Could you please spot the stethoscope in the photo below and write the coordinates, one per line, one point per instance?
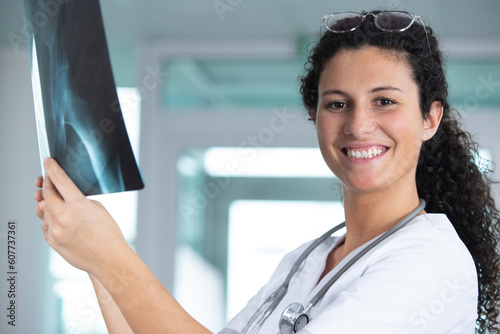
(296, 316)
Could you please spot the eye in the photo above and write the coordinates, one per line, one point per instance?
(337, 105)
(384, 102)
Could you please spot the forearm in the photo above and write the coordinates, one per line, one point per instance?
(145, 304)
(113, 317)
(85, 235)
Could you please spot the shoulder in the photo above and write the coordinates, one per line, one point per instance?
(428, 263)
(420, 279)
(429, 248)
(430, 238)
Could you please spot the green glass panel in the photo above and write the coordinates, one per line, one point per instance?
(238, 84)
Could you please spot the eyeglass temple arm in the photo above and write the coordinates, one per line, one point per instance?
(417, 17)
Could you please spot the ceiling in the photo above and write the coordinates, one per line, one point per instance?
(130, 21)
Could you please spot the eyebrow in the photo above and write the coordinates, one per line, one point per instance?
(334, 91)
(374, 90)
(379, 89)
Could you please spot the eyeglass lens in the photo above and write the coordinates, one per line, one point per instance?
(342, 22)
(393, 20)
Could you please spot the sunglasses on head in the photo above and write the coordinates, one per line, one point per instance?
(390, 21)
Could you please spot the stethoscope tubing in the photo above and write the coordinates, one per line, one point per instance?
(253, 326)
(275, 298)
(321, 293)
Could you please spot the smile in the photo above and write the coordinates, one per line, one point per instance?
(366, 153)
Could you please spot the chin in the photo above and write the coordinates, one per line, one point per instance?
(365, 185)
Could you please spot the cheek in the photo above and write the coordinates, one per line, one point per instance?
(326, 129)
(405, 130)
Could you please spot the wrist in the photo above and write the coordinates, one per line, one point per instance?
(117, 269)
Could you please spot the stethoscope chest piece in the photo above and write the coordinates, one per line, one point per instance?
(293, 319)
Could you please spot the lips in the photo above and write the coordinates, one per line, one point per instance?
(365, 152)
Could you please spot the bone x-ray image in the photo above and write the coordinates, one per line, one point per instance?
(79, 120)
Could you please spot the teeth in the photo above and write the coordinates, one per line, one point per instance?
(371, 153)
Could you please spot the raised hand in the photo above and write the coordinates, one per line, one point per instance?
(79, 229)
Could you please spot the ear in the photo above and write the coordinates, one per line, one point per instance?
(431, 123)
(312, 115)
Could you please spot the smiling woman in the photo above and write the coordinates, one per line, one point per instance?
(376, 90)
(413, 121)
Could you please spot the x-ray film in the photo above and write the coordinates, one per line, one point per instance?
(79, 119)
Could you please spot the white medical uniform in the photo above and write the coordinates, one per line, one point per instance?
(422, 279)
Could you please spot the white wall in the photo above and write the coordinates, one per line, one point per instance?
(164, 135)
(20, 164)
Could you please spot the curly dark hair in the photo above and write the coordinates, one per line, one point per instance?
(447, 177)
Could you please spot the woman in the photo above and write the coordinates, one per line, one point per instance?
(376, 92)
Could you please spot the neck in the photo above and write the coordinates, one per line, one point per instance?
(368, 215)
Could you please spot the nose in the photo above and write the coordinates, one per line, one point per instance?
(360, 122)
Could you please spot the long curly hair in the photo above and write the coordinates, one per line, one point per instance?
(447, 176)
